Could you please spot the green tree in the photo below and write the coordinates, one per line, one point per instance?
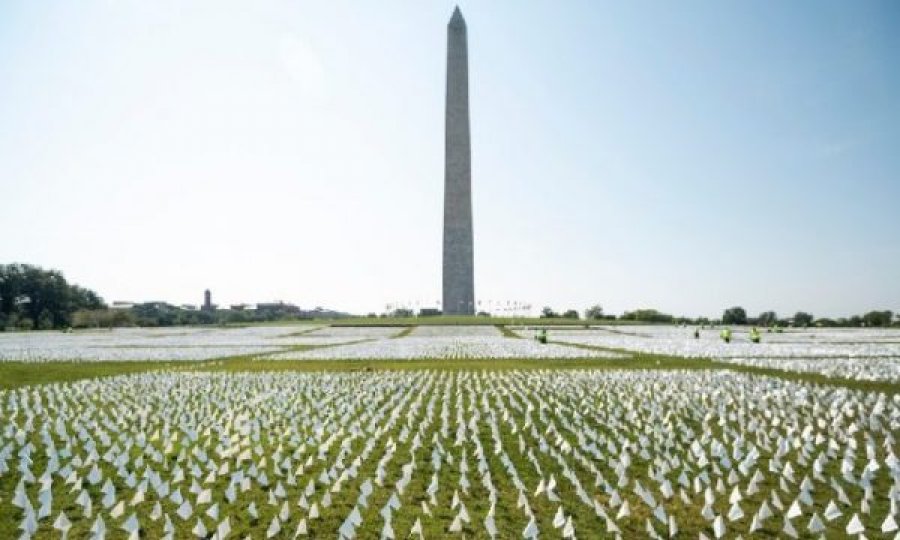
(45, 320)
(155, 314)
(594, 312)
(237, 316)
(570, 314)
(734, 315)
(548, 313)
(647, 315)
(44, 297)
(801, 318)
(878, 318)
(767, 318)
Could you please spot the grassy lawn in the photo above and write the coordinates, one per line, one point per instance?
(433, 386)
(455, 389)
(15, 374)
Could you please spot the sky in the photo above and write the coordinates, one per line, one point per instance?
(683, 156)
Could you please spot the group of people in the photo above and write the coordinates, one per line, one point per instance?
(725, 334)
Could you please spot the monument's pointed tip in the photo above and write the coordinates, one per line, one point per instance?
(457, 18)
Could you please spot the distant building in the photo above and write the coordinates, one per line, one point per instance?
(120, 304)
(207, 301)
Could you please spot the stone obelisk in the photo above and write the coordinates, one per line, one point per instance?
(459, 279)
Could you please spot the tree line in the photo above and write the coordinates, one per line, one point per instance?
(733, 315)
(163, 314)
(34, 298)
(874, 318)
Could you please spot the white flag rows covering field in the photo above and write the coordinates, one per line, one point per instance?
(515, 454)
(163, 344)
(862, 354)
(175, 343)
(447, 348)
(442, 342)
(791, 342)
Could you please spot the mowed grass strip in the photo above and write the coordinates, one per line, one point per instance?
(16, 374)
(507, 332)
(405, 332)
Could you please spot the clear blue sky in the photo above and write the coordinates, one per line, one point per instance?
(686, 156)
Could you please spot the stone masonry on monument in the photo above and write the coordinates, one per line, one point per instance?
(458, 270)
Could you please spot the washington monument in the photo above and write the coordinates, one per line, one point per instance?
(459, 280)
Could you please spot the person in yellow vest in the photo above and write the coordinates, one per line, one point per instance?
(726, 335)
(754, 335)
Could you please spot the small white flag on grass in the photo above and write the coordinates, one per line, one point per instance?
(131, 524)
(788, 528)
(417, 529)
(719, 527)
(185, 511)
(199, 529)
(855, 526)
(531, 530)
(301, 528)
(223, 529)
(457, 525)
(274, 528)
(490, 526)
(795, 510)
(735, 512)
(832, 512)
(559, 519)
(387, 531)
(62, 524)
(815, 524)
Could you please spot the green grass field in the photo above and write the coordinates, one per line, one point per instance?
(567, 398)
